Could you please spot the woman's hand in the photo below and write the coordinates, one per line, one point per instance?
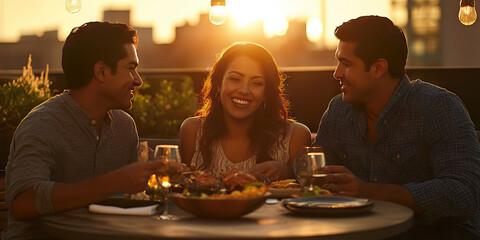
(272, 170)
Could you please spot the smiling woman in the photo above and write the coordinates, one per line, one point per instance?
(243, 88)
(244, 121)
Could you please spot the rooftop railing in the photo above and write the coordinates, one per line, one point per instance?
(310, 88)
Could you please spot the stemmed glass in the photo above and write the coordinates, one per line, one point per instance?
(168, 173)
(309, 163)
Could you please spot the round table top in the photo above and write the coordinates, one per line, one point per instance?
(271, 221)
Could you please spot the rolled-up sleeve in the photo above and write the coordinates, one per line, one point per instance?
(455, 157)
(31, 163)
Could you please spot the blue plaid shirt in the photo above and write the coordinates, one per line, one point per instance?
(426, 141)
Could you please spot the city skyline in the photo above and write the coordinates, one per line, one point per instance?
(292, 49)
(434, 34)
(33, 17)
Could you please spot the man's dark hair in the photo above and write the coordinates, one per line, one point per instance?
(376, 37)
(93, 42)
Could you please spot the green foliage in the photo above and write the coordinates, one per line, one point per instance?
(161, 113)
(157, 113)
(19, 96)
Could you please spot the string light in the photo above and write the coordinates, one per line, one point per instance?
(467, 14)
(218, 12)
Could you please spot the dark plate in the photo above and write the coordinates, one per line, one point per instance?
(328, 205)
(127, 203)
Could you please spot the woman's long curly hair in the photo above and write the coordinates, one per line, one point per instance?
(269, 122)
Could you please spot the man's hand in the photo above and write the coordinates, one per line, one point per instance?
(132, 178)
(342, 182)
(273, 170)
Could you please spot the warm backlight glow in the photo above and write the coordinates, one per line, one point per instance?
(245, 12)
(27, 17)
(152, 182)
(166, 182)
(314, 29)
(270, 12)
(275, 27)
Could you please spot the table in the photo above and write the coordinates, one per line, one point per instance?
(271, 221)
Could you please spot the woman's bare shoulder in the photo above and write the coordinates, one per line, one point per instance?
(301, 133)
(188, 136)
(191, 124)
(300, 127)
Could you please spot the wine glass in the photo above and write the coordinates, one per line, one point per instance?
(168, 173)
(309, 163)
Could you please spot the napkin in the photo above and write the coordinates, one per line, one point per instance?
(141, 211)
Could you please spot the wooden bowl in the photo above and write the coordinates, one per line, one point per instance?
(218, 208)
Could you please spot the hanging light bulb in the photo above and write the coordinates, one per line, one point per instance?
(73, 6)
(218, 12)
(467, 14)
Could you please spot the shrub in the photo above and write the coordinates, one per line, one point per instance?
(19, 96)
(160, 114)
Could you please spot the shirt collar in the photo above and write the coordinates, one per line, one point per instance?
(396, 97)
(81, 115)
(393, 102)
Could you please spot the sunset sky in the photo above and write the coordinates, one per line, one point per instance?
(27, 17)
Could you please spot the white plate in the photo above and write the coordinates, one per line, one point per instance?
(283, 192)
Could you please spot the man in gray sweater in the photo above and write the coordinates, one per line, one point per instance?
(79, 147)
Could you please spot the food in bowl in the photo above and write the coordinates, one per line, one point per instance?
(201, 182)
(206, 179)
(238, 179)
(223, 204)
(256, 189)
(235, 179)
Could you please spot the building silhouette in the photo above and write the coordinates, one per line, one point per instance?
(194, 46)
(435, 36)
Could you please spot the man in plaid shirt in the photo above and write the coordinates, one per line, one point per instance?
(389, 138)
